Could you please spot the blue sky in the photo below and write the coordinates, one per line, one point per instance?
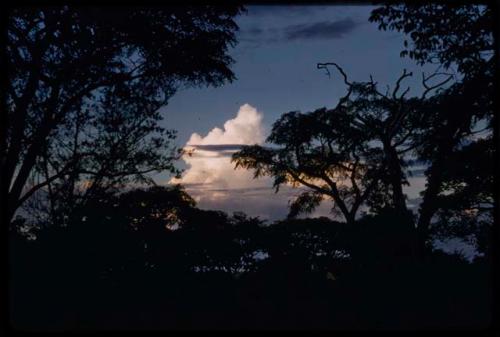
(275, 67)
(277, 75)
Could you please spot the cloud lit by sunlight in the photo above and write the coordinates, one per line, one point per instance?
(212, 167)
(214, 183)
(245, 128)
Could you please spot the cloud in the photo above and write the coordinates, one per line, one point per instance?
(213, 150)
(214, 183)
(206, 164)
(321, 30)
(245, 128)
(218, 147)
(210, 176)
(254, 31)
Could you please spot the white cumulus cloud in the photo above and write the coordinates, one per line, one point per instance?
(245, 128)
(213, 169)
(214, 183)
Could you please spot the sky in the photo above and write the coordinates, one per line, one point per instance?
(275, 67)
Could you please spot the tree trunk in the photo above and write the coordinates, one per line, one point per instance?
(10, 210)
(396, 177)
(350, 218)
(428, 206)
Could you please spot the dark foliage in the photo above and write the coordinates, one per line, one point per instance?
(449, 34)
(454, 36)
(360, 152)
(107, 271)
(356, 154)
(84, 89)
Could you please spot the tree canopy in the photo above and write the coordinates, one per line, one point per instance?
(450, 35)
(85, 85)
(446, 34)
(356, 153)
(317, 155)
(361, 151)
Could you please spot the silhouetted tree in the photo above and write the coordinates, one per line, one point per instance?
(355, 153)
(454, 121)
(316, 155)
(465, 203)
(109, 274)
(393, 121)
(118, 144)
(164, 207)
(73, 69)
(452, 35)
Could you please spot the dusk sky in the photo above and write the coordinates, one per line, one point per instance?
(275, 68)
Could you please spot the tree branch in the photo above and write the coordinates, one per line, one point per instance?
(35, 188)
(398, 83)
(325, 66)
(429, 88)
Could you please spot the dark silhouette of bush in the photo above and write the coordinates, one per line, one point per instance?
(312, 273)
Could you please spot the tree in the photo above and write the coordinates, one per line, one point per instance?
(156, 209)
(317, 156)
(355, 153)
(119, 142)
(458, 35)
(73, 69)
(392, 120)
(455, 118)
(451, 35)
(465, 204)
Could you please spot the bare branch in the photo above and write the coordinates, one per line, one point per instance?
(398, 83)
(429, 88)
(36, 187)
(325, 66)
(373, 85)
(411, 147)
(404, 93)
(371, 81)
(305, 183)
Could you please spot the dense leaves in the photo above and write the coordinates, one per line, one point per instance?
(104, 271)
(361, 151)
(449, 34)
(355, 154)
(85, 85)
(461, 36)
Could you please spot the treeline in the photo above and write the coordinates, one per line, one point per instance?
(120, 265)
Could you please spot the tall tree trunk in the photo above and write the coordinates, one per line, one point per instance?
(429, 205)
(11, 209)
(350, 218)
(396, 177)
